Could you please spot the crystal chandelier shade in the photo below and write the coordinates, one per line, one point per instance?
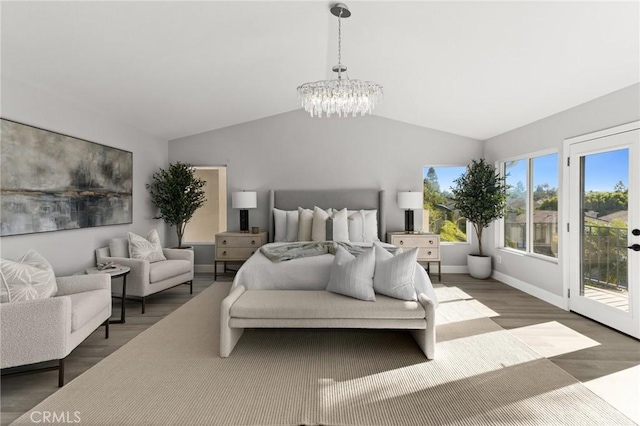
(340, 96)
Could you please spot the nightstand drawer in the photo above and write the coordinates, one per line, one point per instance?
(428, 253)
(415, 241)
(231, 253)
(249, 241)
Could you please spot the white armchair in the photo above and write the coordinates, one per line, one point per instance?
(49, 329)
(147, 278)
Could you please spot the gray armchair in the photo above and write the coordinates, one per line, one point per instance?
(49, 329)
(147, 278)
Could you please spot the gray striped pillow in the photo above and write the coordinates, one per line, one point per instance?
(394, 275)
(353, 276)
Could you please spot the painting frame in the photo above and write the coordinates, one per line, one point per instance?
(50, 181)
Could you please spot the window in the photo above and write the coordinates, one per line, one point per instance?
(439, 217)
(531, 217)
(211, 218)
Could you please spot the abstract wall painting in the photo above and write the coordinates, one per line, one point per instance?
(53, 182)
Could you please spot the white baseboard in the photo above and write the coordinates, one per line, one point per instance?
(541, 294)
(452, 269)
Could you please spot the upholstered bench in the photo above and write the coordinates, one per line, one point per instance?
(321, 309)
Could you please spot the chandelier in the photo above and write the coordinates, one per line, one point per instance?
(339, 96)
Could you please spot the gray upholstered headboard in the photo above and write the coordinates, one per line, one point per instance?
(352, 199)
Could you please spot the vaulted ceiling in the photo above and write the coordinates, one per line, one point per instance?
(179, 68)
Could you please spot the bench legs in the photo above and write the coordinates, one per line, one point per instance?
(426, 338)
(229, 336)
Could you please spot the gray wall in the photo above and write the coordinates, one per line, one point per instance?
(73, 250)
(616, 108)
(295, 151)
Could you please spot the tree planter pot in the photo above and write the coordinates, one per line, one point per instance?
(479, 266)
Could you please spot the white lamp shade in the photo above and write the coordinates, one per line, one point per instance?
(244, 200)
(410, 200)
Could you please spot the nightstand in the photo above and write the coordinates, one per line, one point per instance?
(428, 247)
(236, 247)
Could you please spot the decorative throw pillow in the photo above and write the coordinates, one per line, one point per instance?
(119, 247)
(340, 225)
(280, 223)
(363, 226)
(353, 276)
(148, 248)
(305, 221)
(292, 226)
(29, 278)
(319, 224)
(394, 275)
(286, 224)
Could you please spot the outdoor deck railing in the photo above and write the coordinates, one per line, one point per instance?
(604, 251)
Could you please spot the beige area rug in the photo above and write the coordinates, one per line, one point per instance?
(171, 374)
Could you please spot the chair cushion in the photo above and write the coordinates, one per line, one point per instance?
(86, 306)
(160, 271)
(29, 278)
(307, 304)
(119, 247)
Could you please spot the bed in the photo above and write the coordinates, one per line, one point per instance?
(293, 294)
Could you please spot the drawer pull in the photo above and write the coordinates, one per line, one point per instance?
(401, 242)
(224, 241)
(224, 253)
(430, 241)
(429, 253)
(253, 242)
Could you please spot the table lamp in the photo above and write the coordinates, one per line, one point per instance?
(244, 200)
(409, 201)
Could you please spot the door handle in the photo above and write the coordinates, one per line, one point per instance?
(634, 247)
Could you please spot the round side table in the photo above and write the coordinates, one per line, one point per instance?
(121, 271)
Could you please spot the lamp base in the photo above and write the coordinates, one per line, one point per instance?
(244, 221)
(408, 222)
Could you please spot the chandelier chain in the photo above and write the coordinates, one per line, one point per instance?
(340, 45)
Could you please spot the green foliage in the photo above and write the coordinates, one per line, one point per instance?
(480, 195)
(178, 193)
(550, 203)
(450, 232)
(606, 202)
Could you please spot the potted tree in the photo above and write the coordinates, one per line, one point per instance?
(480, 195)
(178, 193)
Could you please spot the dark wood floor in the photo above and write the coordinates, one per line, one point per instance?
(516, 309)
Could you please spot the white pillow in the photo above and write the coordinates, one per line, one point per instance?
(340, 225)
(363, 226)
(319, 224)
(29, 278)
(280, 223)
(292, 226)
(394, 275)
(353, 276)
(286, 224)
(305, 222)
(148, 248)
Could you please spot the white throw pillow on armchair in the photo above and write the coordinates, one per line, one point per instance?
(148, 248)
(30, 278)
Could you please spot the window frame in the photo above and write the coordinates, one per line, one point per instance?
(470, 235)
(499, 232)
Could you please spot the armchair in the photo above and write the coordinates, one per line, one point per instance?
(147, 278)
(49, 329)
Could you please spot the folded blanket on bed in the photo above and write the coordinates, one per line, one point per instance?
(308, 249)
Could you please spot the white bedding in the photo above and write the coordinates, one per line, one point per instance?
(309, 273)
